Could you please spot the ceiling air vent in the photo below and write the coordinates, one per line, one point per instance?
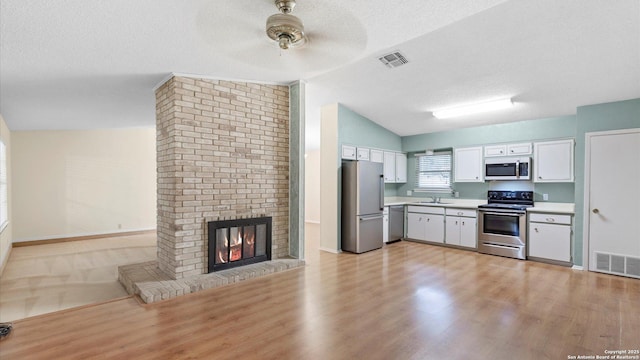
(393, 60)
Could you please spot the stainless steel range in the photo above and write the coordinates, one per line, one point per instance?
(502, 223)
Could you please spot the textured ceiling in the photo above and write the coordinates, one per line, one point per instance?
(79, 64)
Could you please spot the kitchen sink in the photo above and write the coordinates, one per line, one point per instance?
(433, 202)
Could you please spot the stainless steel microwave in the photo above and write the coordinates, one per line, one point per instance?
(507, 168)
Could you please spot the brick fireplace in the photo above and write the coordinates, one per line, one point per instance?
(222, 154)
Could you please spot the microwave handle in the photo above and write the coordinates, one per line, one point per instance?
(517, 168)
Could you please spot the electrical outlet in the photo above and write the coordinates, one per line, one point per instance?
(545, 197)
(456, 194)
(408, 192)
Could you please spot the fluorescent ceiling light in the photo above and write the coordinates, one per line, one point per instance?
(473, 108)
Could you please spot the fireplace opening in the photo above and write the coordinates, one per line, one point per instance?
(234, 243)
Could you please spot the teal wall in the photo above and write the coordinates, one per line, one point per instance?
(355, 129)
(530, 130)
(591, 118)
(542, 129)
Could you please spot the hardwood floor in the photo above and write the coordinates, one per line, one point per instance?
(406, 301)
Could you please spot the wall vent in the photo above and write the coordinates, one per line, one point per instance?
(618, 264)
(393, 60)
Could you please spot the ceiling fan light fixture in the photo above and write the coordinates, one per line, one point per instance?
(285, 29)
(284, 41)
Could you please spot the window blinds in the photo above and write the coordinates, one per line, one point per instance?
(433, 171)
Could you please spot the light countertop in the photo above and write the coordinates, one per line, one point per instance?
(549, 207)
(539, 207)
(447, 202)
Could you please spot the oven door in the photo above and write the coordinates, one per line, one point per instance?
(507, 228)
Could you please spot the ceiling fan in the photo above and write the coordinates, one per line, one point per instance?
(286, 29)
(236, 29)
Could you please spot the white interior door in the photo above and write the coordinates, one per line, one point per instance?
(612, 201)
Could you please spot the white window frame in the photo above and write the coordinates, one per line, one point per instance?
(445, 187)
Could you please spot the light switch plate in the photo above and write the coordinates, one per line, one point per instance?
(408, 192)
(545, 197)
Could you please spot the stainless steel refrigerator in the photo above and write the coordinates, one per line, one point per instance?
(362, 205)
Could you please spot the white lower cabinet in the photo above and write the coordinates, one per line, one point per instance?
(550, 236)
(461, 227)
(415, 226)
(425, 223)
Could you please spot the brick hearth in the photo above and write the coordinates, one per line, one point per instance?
(152, 284)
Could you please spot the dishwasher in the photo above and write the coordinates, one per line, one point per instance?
(396, 223)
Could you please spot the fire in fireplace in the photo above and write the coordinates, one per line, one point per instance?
(238, 242)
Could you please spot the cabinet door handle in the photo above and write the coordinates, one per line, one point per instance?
(550, 219)
(463, 223)
(536, 229)
(595, 211)
(428, 219)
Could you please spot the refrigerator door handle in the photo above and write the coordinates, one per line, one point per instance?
(382, 192)
(367, 218)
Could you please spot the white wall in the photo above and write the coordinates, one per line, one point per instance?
(329, 170)
(312, 186)
(74, 183)
(6, 235)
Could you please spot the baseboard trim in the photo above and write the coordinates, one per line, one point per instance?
(577, 267)
(78, 238)
(312, 221)
(5, 260)
(333, 251)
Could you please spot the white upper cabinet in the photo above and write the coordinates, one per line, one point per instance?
(349, 152)
(508, 150)
(553, 161)
(401, 168)
(389, 167)
(363, 154)
(519, 149)
(468, 164)
(376, 155)
(495, 150)
(395, 167)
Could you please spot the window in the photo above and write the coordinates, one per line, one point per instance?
(433, 171)
(4, 216)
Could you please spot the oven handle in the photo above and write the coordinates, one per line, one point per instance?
(502, 213)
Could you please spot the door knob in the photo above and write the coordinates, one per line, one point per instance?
(595, 211)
